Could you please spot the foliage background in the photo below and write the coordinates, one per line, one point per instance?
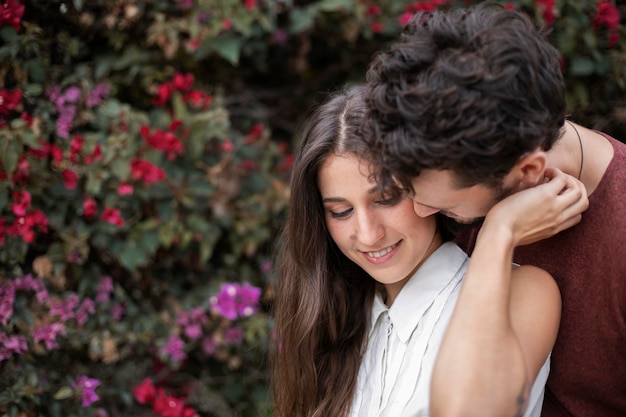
(144, 159)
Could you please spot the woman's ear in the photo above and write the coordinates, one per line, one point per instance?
(529, 170)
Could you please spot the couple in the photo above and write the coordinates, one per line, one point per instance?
(379, 312)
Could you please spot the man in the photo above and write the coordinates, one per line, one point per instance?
(468, 108)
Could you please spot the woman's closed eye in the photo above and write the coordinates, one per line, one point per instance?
(340, 214)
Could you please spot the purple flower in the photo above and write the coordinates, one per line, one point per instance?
(86, 307)
(65, 121)
(64, 308)
(72, 94)
(117, 311)
(105, 288)
(235, 300)
(12, 344)
(28, 283)
(209, 346)
(47, 334)
(87, 388)
(7, 298)
(234, 335)
(99, 93)
(192, 322)
(175, 348)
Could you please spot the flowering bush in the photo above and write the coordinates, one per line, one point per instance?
(144, 155)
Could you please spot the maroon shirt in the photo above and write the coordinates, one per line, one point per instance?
(588, 368)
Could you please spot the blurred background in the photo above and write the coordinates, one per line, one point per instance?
(145, 149)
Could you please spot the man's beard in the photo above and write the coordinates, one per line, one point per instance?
(451, 227)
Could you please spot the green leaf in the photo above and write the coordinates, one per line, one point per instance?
(228, 48)
(582, 66)
(8, 34)
(64, 393)
(9, 155)
(300, 20)
(335, 5)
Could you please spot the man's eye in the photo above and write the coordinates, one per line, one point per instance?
(341, 214)
(389, 201)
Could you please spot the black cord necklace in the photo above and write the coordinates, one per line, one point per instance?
(582, 153)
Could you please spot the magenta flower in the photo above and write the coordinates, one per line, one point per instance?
(86, 387)
(236, 300)
(7, 298)
(86, 308)
(234, 335)
(64, 309)
(105, 287)
(47, 334)
(175, 348)
(12, 344)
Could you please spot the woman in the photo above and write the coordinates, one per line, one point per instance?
(367, 288)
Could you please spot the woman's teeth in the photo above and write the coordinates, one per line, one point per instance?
(381, 252)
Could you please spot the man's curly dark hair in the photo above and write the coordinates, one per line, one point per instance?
(470, 90)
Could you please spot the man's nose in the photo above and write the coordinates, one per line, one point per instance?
(424, 211)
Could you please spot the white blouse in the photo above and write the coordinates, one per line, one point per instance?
(396, 369)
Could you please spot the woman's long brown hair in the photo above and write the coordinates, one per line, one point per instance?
(323, 300)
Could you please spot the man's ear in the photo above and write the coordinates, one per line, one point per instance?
(529, 170)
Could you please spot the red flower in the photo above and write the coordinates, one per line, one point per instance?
(376, 27)
(112, 216)
(145, 392)
(182, 82)
(227, 24)
(372, 10)
(96, 155)
(198, 99)
(70, 179)
(11, 13)
(255, 133)
(163, 141)
(168, 406)
(606, 15)
(547, 7)
(146, 171)
(21, 204)
(249, 4)
(164, 93)
(9, 99)
(90, 208)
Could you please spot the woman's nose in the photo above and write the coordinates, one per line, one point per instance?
(370, 229)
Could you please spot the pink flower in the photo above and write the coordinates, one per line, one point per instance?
(90, 208)
(13, 344)
(86, 387)
(234, 335)
(145, 392)
(11, 13)
(86, 308)
(125, 189)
